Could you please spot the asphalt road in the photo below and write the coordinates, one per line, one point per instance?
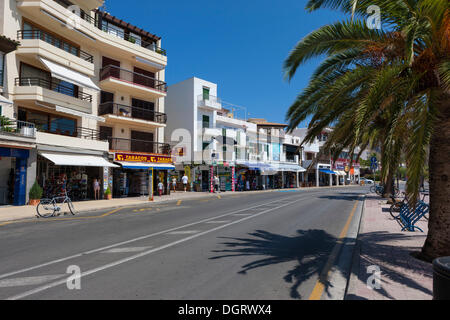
(269, 246)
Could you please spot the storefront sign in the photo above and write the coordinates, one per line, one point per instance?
(233, 179)
(127, 157)
(105, 178)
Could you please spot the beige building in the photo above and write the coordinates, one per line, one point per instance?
(92, 87)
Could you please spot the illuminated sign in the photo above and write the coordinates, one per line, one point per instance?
(127, 157)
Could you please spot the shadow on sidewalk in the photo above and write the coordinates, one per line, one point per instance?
(311, 249)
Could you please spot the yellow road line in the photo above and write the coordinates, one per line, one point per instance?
(317, 292)
(179, 202)
(219, 197)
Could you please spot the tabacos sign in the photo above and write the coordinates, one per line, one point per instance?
(128, 157)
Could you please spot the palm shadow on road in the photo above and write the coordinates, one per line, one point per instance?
(311, 249)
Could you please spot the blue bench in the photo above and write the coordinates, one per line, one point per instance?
(409, 216)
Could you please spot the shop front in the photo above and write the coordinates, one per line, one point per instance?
(13, 176)
(140, 174)
(74, 173)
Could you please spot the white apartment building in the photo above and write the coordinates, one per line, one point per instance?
(211, 141)
(92, 88)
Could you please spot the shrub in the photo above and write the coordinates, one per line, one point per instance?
(36, 191)
(108, 192)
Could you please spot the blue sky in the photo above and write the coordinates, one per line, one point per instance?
(238, 44)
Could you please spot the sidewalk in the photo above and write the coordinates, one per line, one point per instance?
(12, 213)
(381, 243)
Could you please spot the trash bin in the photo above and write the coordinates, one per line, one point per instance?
(441, 278)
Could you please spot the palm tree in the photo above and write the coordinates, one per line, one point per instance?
(389, 87)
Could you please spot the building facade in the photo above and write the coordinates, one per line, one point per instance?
(92, 89)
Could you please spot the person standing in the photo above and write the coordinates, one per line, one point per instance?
(96, 187)
(217, 183)
(185, 181)
(174, 184)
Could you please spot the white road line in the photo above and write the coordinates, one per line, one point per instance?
(143, 254)
(183, 232)
(218, 222)
(127, 250)
(29, 281)
(7, 275)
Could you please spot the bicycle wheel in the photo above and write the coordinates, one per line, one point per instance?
(46, 208)
(373, 189)
(71, 207)
(394, 210)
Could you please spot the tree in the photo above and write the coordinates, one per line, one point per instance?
(387, 87)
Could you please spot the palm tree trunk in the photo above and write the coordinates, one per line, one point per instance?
(438, 240)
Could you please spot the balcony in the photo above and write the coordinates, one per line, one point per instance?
(118, 79)
(118, 144)
(209, 102)
(17, 128)
(35, 43)
(119, 112)
(72, 137)
(52, 92)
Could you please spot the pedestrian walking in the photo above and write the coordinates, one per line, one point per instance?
(185, 181)
(160, 188)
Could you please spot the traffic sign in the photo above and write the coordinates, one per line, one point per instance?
(374, 160)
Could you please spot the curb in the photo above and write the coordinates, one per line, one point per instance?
(355, 263)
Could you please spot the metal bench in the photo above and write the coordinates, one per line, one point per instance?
(410, 216)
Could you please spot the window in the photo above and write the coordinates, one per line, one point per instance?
(2, 62)
(205, 121)
(205, 145)
(50, 123)
(205, 93)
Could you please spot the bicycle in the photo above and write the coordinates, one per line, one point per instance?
(48, 208)
(397, 205)
(379, 190)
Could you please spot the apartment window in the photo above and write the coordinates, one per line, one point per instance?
(205, 93)
(309, 156)
(205, 145)
(205, 120)
(105, 133)
(112, 29)
(50, 123)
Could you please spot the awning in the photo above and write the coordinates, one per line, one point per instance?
(341, 173)
(146, 166)
(4, 100)
(78, 113)
(289, 167)
(74, 160)
(327, 171)
(65, 74)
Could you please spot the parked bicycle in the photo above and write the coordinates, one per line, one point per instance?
(379, 189)
(395, 208)
(48, 208)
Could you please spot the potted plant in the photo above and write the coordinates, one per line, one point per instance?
(35, 194)
(108, 195)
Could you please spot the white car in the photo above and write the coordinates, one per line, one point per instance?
(366, 181)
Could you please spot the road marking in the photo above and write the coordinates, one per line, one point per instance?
(219, 197)
(244, 214)
(28, 281)
(317, 292)
(142, 254)
(6, 275)
(179, 202)
(127, 250)
(218, 222)
(183, 232)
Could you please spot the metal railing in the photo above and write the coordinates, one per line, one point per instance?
(132, 77)
(54, 85)
(210, 99)
(54, 41)
(132, 112)
(72, 131)
(17, 127)
(139, 146)
(111, 30)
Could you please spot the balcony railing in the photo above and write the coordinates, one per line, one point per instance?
(16, 127)
(209, 99)
(139, 146)
(54, 41)
(132, 77)
(71, 131)
(54, 85)
(111, 29)
(132, 112)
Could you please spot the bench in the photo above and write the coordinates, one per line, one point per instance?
(409, 217)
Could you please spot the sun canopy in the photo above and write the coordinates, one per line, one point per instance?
(75, 160)
(65, 74)
(327, 171)
(146, 166)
